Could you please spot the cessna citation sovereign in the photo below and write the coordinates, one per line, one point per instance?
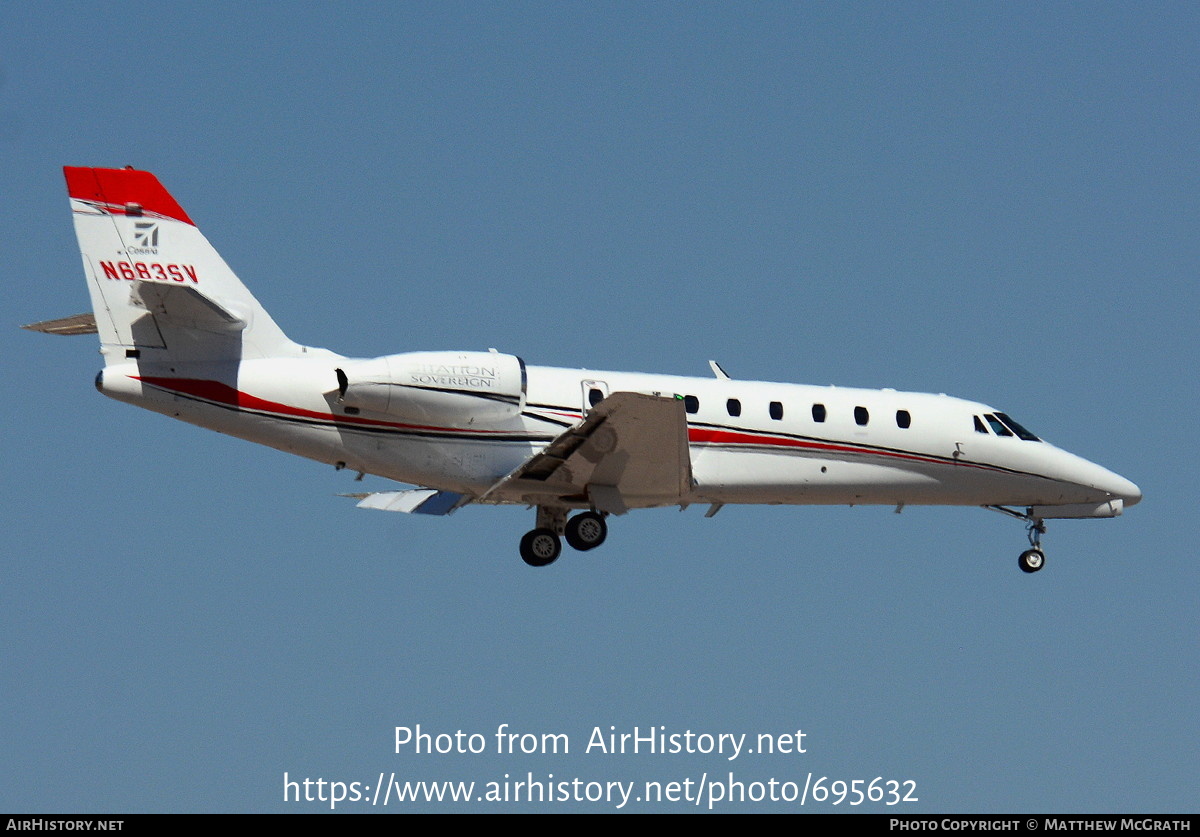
(181, 335)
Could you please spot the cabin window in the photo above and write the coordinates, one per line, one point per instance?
(691, 403)
(776, 410)
(818, 412)
(903, 419)
(861, 416)
(595, 396)
(997, 426)
(734, 407)
(979, 426)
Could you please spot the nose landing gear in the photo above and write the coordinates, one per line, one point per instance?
(1032, 559)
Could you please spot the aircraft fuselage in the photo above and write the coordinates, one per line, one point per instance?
(872, 446)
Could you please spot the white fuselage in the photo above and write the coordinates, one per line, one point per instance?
(749, 441)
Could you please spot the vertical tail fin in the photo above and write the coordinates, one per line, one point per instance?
(158, 288)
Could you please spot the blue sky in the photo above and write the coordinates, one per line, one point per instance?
(997, 201)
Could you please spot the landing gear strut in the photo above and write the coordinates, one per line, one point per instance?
(1032, 559)
(542, 545)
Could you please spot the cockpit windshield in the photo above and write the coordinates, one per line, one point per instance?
(1021, 432)
(1003, 425)
(997, 426)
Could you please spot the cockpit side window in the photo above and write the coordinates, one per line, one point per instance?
(979, 426)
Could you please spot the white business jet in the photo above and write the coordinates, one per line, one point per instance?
(181, 335)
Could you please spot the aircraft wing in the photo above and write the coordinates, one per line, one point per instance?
(631, 450)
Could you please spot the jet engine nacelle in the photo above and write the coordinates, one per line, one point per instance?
(448, 388)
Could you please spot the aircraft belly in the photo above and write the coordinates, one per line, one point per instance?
(753, 477)
(761, 477)
(466, 466)
(310, 441)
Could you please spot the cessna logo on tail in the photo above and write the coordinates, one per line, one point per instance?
(145, 239)
(146, 234)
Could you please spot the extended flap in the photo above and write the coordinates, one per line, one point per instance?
(631, 450)
(413, 501)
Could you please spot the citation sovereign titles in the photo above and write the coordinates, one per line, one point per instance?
(657, 741)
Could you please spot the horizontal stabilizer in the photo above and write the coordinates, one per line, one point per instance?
(414, 501)
(76, 324)
(185, 307)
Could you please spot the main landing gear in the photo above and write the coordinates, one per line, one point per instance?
(541, 545)
(1032, 559)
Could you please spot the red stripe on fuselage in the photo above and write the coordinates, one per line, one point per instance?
(704, 435)
(220, 393)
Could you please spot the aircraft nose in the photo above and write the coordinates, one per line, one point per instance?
(1098, 478)
(1117, 486)
(1129, 493)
